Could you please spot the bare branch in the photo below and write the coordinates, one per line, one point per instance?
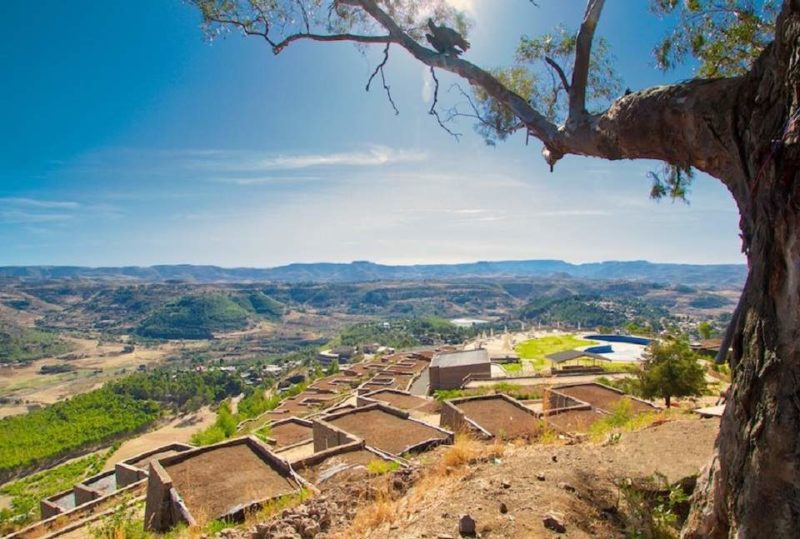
(476, 114)
(539, 125)
(583, 53)
(278, 47)
(383, 78)
(245, 26)
(559, 71)
(250, 28)
(433, 110)
(305, 15)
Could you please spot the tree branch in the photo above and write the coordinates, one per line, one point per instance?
(383, 78)
(433, 110)
(679, 124)
(559, 71)
(278, 47)
(476, 115)
(534, 120)
(583, 54)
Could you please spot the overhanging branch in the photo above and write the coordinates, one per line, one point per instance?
(278, 47)
(535, 121)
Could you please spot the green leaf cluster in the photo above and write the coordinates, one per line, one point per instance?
(724, 36)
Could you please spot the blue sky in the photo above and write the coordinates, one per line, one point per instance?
(128, 139)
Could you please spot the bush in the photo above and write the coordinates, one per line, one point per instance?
(381, 467)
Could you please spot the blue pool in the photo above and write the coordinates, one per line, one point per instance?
(644, 341)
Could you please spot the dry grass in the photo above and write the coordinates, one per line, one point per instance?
(275, 506)
(383, 508)
(387, 507)
(548, 435)
(609, 428)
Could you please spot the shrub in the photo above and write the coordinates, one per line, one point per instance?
(381, 467)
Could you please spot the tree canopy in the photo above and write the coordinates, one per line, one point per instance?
(670, 369)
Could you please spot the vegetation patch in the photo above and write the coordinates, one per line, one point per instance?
(21, 344)
(96, 417)
(404, 333)
(182, 391)
(195, 317)
(594, 311)
(26, 493)
(381, 467)
(516, 391)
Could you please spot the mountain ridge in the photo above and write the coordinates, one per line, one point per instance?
(360, 271)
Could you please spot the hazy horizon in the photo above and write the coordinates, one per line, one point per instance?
(376, 262)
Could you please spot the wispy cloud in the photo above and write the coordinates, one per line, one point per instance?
(250, 162)
(16, 216)
(265, 180)
(572, 213)
(23, 210)
(17, 202)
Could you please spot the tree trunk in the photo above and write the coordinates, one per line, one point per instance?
(752, 486)
(667, 401)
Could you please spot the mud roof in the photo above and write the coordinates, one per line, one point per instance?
(459, 359)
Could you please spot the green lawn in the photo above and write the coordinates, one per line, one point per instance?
(537, 350)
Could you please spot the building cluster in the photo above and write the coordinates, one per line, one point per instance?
(334, 430)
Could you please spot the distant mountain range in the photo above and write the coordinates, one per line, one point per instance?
(718, 275)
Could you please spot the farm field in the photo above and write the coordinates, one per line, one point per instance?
(24, 386)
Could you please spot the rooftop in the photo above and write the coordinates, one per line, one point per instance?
(460, 359)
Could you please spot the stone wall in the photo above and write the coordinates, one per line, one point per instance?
(327, 436)
(453, 377)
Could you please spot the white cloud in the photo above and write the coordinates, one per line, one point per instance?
(20, 210)
(239, 162)
(265, 180)
(16, 216)
(37, 203)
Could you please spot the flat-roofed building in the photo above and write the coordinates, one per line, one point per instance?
(448, 369)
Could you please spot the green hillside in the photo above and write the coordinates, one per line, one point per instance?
(593, 311)
(199, 316)
(195, 317)
(20, 344)
(261, 304)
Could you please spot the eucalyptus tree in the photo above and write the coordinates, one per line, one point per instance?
(737, 121)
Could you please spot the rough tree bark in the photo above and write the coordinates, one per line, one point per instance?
(752, 488)
(745, 132)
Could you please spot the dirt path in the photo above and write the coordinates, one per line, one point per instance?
(178, 430)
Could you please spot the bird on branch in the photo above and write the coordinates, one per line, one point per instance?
(446, 40)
